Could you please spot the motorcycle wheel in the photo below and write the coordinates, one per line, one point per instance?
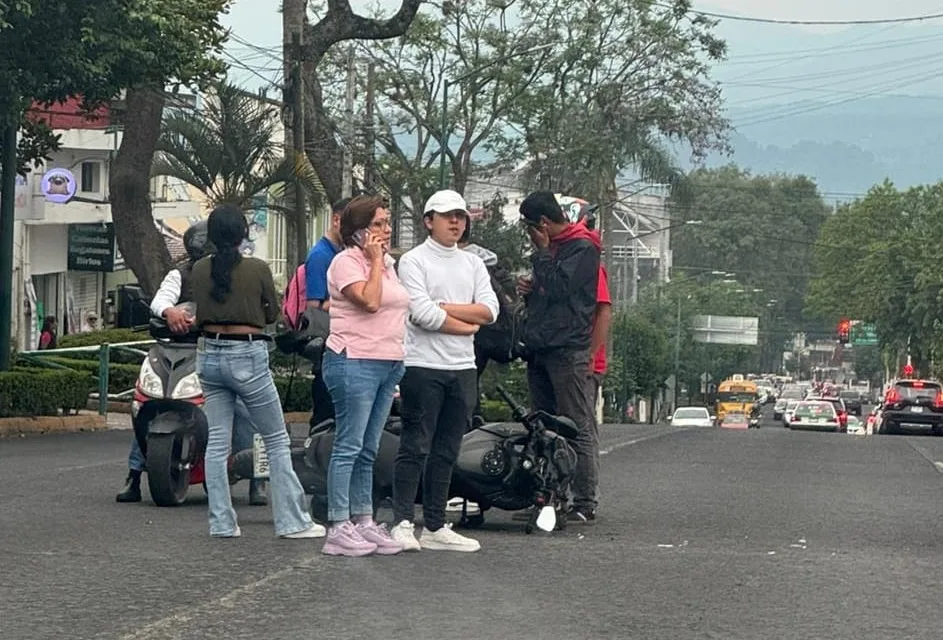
(167, 478)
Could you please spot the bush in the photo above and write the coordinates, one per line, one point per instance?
(96, 338)
(121, 377)
(300, 397)
(34, 392)
(495, 411)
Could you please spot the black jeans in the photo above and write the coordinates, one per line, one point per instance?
(561, 383)
(322, 406)
(437, 408)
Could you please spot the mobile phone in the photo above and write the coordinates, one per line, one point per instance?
(360, 237)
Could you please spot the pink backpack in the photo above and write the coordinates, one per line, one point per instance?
(295, 300)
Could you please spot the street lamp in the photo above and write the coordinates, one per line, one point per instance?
(444, 127)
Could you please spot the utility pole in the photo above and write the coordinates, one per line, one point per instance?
(7, 213)
(677, 352)
(369, 169)
(635, 249)
(298, 143)
(348, 170)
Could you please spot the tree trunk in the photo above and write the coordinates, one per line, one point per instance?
(338, 24)
(139, 240)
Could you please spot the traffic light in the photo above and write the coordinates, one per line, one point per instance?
(844, 331)
(908, 370)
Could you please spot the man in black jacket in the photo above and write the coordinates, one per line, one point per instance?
(561, 305)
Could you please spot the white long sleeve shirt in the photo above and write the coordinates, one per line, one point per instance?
(168, 294)
(433, 273)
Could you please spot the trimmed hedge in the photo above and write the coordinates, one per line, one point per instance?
(94, 338)
(35, 392)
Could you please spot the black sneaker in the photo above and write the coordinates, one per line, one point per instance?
(580, 515)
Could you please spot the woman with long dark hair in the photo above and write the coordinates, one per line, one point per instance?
(235, 299)
(47, 337)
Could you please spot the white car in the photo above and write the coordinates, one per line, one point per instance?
(789, 411)
(692, 417)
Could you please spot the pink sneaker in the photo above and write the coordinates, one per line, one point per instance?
(344, 540)
(378, 535)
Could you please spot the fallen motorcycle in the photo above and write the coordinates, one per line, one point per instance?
(525, 464)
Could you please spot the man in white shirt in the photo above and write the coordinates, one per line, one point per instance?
(174, 290)
(450, 296)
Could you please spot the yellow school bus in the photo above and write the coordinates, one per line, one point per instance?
(736, 395)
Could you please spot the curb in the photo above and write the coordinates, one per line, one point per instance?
(51, 424)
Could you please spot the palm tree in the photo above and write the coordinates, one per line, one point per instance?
(229, 152)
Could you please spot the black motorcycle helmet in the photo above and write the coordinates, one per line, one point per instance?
(195, 241)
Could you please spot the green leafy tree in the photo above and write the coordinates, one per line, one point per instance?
(639, 359)
(51, 50)
(761, 229)
(876, 261)
(625, 79)
(466, 43)
(230, 151)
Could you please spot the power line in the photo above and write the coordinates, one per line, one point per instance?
(728, 16)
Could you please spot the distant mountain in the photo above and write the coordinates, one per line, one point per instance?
(845, 148)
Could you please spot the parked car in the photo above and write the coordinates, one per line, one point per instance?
(912, 403)
(692, 417)
(816, 415)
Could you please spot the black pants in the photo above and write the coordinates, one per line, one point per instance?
(561, 383)
(322, 406)
(437, 408)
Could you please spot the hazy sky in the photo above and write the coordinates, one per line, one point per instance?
(846, 53)
(259, 22)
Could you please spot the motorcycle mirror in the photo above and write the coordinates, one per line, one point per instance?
(547, 519)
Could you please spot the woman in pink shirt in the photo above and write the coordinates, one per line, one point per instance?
(362, 365)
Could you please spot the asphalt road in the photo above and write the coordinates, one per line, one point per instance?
(702, 534)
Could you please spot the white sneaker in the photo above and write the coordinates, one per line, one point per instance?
(403, 533)
(455, 506)
(314, 531)
(446, 540)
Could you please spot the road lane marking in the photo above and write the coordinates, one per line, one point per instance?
(177, 622)
(92, 465)
(628, 443)
(926, 456)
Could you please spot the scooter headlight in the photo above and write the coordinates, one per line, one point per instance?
(149, 382)
(188, 387)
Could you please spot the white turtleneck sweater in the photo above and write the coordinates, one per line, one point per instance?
(433, 273)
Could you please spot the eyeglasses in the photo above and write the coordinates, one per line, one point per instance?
(384, 223)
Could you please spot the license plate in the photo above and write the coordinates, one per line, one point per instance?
(259, 458)
(916, 409)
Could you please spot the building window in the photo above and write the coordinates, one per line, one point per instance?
(91, 177)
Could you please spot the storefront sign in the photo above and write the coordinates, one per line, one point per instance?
(91, 247)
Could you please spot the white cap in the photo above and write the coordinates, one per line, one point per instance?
(445, 201)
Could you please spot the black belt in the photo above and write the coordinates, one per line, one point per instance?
(242, 337)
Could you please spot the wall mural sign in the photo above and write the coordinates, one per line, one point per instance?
(58, 185)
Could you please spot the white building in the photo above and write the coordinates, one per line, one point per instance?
(65, 259)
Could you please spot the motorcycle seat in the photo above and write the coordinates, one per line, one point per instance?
(562, 425)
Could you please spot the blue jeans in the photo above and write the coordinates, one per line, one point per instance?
(241, 438)
(362, 391)
(231, 370)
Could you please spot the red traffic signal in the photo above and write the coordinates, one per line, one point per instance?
(844, 331)
(908, 370)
